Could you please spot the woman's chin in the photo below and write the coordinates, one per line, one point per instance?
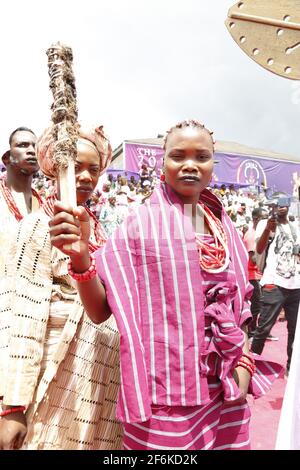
(82, 198)
(191, 191)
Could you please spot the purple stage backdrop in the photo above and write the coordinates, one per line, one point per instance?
(135, 155)
(278, 175)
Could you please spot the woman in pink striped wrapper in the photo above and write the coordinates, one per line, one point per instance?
(174, 275)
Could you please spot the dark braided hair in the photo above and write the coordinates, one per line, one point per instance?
(182, 125)
(187, 123)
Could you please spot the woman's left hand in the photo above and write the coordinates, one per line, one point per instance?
(242, 378)
(240, 374)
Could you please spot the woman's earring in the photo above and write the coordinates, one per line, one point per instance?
(162, 177)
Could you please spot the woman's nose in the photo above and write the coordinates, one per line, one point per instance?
(190, 165)
(85, 176)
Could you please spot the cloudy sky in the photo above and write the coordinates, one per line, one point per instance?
(142, 65)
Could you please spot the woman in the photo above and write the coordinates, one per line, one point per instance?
(174, 275)
(60, 372)
(144, 174)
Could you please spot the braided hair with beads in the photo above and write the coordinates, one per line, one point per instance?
(187, 123)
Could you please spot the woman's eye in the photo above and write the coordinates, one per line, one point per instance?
(177, 156)
(203, 157)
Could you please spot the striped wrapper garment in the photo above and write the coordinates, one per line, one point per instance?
(180, 329)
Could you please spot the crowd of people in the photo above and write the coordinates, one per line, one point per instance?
(115, 197)
(125, 322)
(272, 236)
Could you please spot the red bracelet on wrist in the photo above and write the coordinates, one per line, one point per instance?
(242, 361)
(249, 367)
(86, 275)
(12, 410)
(251, 358)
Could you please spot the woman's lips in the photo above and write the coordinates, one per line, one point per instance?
(190, 179)
(84, 189)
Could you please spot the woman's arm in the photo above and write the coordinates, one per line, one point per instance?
(70, 232)
(93, 298)
(241, 375)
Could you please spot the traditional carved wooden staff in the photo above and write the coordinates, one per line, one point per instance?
(64, 118)
(269, 32)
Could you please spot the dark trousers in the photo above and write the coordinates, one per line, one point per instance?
(256, 302)
(273, 300)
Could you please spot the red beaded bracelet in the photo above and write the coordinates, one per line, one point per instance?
(249, 367)
(247, 363)
(251, 359)
(12, 410)
(86, 275)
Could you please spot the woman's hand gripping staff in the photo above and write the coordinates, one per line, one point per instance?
(69, 232)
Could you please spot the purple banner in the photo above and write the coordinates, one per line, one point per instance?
(135, 155)
(278, 175)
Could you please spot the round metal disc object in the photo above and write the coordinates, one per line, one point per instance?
(269, 32)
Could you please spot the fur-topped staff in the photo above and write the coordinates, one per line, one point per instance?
(64, 118)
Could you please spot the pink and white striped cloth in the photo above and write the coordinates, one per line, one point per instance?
(155, 289)
(215, 426)
(219, 425)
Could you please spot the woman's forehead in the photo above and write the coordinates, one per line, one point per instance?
(190, 135)
(87, 153)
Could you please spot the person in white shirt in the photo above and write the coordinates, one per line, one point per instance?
(122, 199)
(281, 276)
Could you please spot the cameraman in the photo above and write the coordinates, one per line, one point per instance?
(254, 273)
(281, 276)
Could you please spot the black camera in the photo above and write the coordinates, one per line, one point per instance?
(272, 206)
(296, 250)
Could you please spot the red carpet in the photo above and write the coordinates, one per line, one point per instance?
(266, 410)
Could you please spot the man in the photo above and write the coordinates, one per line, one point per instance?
(253, 271)
(17, 198)
(241, 216)
(281, 277)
